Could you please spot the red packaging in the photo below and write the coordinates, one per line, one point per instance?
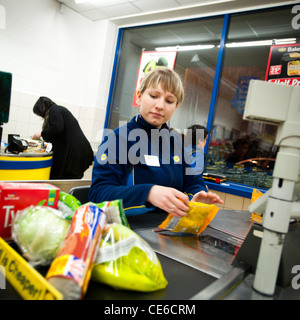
(70, 271)
(16, 196)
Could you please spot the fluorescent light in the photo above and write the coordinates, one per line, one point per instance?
(260, 43)
(229, 45)
(186, 48)
(286, 41)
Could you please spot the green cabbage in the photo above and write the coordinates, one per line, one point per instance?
(39, 232)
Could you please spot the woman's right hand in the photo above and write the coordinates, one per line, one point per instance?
(169, 200)
(37, 136)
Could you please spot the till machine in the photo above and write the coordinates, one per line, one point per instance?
(279, 249)
(267, 265)
(237, 259)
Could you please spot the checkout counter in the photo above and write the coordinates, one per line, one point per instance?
(25, 166)
(25, 159)
(211, 266)
(226, 261)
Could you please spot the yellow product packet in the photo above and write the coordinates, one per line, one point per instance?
(256, 216)
(197, 219)
(255, 195)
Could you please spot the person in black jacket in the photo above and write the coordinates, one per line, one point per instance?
(72, 152)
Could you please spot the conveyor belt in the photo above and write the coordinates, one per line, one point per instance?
(190, 263)
(211, 253)
(183, 283)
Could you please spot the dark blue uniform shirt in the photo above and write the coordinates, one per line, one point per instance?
(136, 156)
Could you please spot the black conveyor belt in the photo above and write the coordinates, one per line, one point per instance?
(179, 262)
(183, 283)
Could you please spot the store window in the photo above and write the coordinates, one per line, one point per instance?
(196, 67)
(242, 150)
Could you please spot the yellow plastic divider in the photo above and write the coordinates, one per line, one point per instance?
(29, 174)
(27, 281)
(24, 173)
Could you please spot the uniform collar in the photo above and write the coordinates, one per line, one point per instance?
(145, 125)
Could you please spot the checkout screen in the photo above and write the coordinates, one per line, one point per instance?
(5, 93)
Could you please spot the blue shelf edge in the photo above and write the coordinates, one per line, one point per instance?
(233, 188)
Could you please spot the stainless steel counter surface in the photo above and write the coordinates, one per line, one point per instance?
(212, 252)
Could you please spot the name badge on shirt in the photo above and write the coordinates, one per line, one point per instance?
(152, 161)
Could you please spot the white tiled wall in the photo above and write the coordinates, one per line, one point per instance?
(24, 122)
(61, 55)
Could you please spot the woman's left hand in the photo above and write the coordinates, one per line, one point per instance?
(207, 197)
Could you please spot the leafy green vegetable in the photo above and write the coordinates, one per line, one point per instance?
(39, 232)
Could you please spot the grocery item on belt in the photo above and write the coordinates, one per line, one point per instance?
(39, 232)
(16, 196)
(256, 216)
(126, 261)
(197, 219)
(68, 204)
(114, 212)
(36, 146)
(71, 269)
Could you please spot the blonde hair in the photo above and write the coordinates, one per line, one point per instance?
(167, 78)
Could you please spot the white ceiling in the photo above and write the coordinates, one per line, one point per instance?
(124, 12)
(141, 12)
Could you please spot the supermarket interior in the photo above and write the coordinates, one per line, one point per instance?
(150, 150)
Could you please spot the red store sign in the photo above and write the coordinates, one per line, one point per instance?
(284, 64)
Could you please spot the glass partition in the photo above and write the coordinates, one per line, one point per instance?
(196, 67)
(242, 150)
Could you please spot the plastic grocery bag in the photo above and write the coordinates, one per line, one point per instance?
(114, 212)
(67, 204)
(197, 219)
(70, 271)
(126, 261)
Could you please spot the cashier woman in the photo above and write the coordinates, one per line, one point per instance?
(149, 175)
